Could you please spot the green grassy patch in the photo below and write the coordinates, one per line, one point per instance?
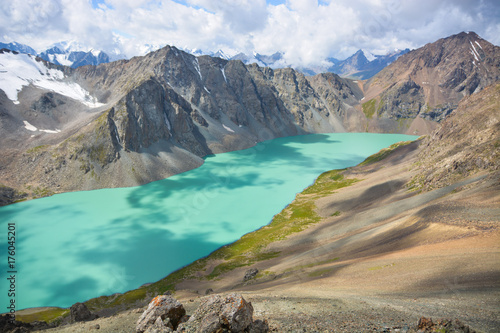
(328, 182)
(416, 184)
(41, 192)
(337, 213)
(263, 274)
(38, 149)
(497, 143)
(384, 153)
(100, 153)
(125, 300)
(369, 108)
(48, 316)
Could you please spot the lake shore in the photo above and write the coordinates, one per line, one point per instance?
(373, 266)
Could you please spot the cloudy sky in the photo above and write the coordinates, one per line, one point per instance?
(307, 31)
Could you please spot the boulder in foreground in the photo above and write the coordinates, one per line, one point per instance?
(163, 311)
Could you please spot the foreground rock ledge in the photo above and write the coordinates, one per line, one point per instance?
(231, 313)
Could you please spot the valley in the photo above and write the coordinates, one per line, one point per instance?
(412, 231)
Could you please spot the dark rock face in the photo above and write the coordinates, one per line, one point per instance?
(7, 324)
(402, 101)
(9, 195)
(80, 312)
(163, 312)
(47, 103)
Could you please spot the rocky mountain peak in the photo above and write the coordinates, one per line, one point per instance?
(430, 81)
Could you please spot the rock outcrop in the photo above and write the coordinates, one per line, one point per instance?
(162, 312)
(216, 313)
(250, 274)
(80, 312)
(232, 313)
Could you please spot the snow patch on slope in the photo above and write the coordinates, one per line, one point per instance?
(19, 70)
(196, 65)
(223, 74)
(62, 59)
(29, 127)
(227, 128)
(474, 53)
(368, 55)
(32, 128)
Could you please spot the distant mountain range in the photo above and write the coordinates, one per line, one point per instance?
(361, 65)
(66, 54)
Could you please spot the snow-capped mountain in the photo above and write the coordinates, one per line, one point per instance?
(364, 65)
(18, 70)
(74, 58)
(21, 48)
(66, 53)
(74, 54)
(221, 54)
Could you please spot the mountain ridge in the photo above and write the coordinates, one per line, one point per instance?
(174, 108)
(430, 81)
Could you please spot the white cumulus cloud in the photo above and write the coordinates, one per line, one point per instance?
(306, 31)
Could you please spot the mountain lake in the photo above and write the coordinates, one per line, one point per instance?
(74, 246)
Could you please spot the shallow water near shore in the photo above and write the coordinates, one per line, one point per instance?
(75, 246)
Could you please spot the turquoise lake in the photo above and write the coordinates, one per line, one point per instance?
(75, 246)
